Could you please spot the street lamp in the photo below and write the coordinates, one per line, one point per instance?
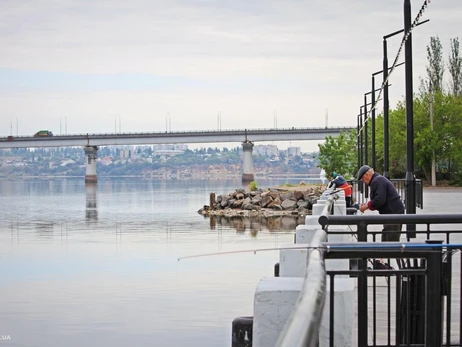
(65, 125)
(11, 126)
(360, 137)
(365, 130)
(410, 179)
(386, 104)
(373, 115)
(115, 124)
(366, 161)
(167, 123)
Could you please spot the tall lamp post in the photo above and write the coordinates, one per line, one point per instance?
(358, 139)
(366, 161)
(115, 123)
(11, 126)
(365, 156)
(386, 104)
(410, 179)
(373, 102)
(65, 125)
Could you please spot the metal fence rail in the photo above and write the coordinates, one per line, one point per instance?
(360, 191)
(411, 300)
(404, 301)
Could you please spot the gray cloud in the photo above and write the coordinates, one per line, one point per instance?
(308, 56)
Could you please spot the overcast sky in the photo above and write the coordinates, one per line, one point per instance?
(147, 65)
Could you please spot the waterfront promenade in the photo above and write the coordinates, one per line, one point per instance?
(436, 200)
(389, 312)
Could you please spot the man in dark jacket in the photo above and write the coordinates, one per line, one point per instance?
(383, 198)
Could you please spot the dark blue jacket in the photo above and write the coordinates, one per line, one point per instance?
(384, 196)
(338, 181)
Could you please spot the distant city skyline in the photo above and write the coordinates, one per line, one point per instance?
(78, 67)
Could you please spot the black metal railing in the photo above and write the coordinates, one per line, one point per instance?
(408, 294)
(360, 191)
(406, 308)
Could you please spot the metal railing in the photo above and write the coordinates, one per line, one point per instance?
(360, 191)
(418, 305)
(410, 300)
(409, 290)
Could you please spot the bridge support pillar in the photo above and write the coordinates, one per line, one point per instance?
(247, 175)
(90, 172)
(91, 212)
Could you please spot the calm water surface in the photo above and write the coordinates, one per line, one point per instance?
(98, 265)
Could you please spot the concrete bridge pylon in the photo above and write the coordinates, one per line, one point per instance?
(247, 174)
(90, 170)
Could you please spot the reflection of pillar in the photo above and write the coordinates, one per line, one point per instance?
(91, 213)
(247, 175)
(90, 173)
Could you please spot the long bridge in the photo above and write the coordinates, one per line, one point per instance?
(150, 138)
(247, 137)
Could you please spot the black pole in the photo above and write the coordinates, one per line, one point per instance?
(386, 104)
(366, 160)
(386, 107)
(360, 159)
(361, 136)
(358, 137)
(410, 180)
(373, 124)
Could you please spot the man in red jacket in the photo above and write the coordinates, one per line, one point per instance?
(339, 182)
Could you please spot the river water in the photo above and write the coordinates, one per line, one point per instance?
(97, 265)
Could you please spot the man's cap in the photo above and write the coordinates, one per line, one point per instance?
(362, 171)
(334, 174)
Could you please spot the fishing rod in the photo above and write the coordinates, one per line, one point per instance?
(340, 189)
(254, 251)
(328, 248)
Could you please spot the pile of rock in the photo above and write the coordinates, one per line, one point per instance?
(268, 202)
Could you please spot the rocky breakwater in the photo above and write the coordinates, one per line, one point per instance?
(270, 202)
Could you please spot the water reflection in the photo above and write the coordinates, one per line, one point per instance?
(91, 211)
(254, 224)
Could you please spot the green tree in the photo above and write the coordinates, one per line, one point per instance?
(339, 154)
(435, 68)
(455, 68)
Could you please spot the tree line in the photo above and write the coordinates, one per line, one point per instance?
(437, 126)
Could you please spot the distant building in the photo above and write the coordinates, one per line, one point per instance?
(265, 150)
(125, 153)
(169, 152)
(169, 147)
(293, 151)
